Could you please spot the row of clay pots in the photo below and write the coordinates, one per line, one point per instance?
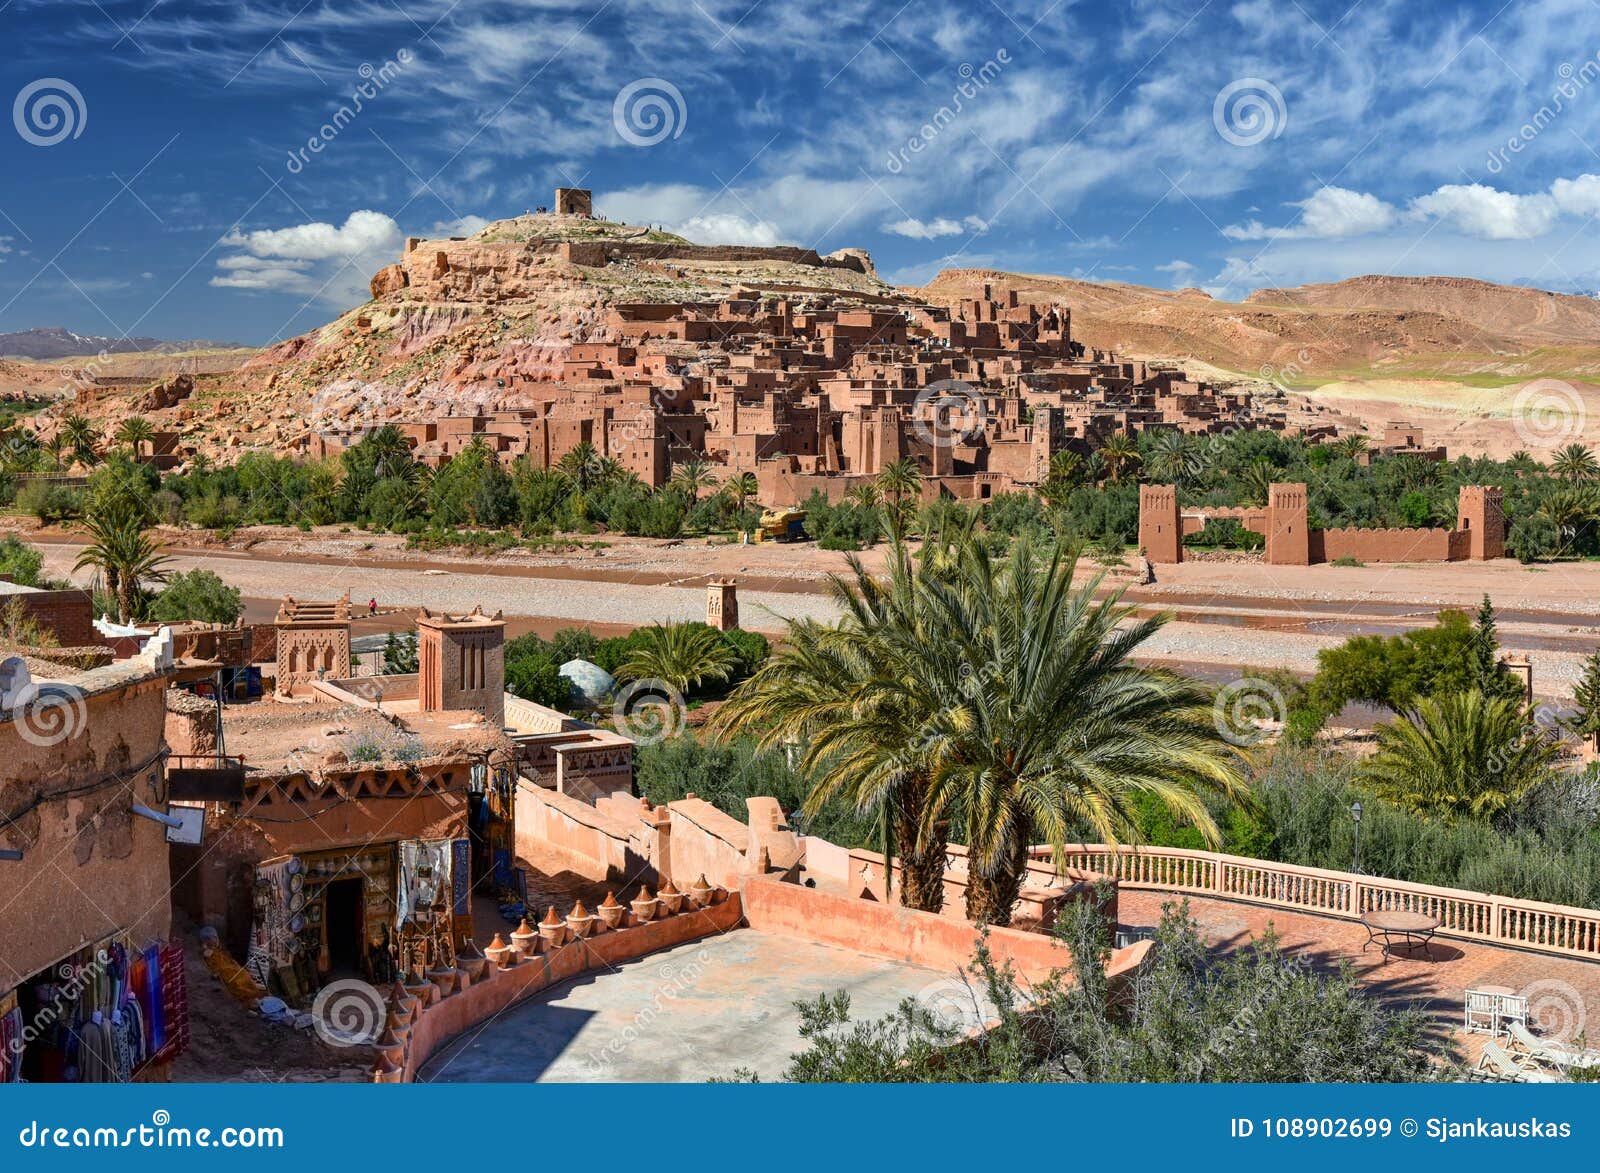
(410, 997)
(554, 931)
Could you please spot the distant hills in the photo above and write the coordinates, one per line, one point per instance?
(49, 342)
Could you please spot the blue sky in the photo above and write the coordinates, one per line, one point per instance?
(158, 177)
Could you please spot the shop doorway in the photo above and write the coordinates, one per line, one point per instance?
(344, 913)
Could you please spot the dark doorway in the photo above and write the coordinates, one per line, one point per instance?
(345, 921)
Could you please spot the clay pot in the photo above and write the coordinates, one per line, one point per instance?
(392, 1048)
(671, 899)
(552, 928)
(644, 906)
(580, 921)
(499, 953)
(444, 980)
(700, 893)
(425, 992)
(525, 940)
(387, 1072)
(611, 913)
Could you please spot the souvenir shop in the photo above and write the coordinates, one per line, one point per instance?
(376, 912)
(109, 1013)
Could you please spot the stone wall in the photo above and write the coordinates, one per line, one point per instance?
(90, 868)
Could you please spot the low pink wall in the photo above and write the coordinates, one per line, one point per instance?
(593, 842)
(476, 1002)
(890, 931)
(705, 842)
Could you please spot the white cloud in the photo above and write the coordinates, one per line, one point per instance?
(726, 228)
(933, 229)
(361, 232)
(317, 260)
(1328, 213)
(464, 226)
(1577, 197)
(1476, 210)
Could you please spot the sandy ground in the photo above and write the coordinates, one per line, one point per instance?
(1226, 614)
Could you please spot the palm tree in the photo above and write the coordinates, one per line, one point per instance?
(1571, 507)
(134, 431)
(692, 477)
(741, 487)
(390, 452)
(899, 479)
(1050, 730)
(864, 495)
(1256, 480)
(1119, 451)
(1460, 754)
(121, 553)
(1350, 447)
(80, 436)
(852, 695)
(55, 446)
(1576, 463)
(1066, 466)
(1521, 463)
(682, 655)
(1171, 457)
(581, 465)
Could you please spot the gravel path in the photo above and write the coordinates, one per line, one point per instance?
(590, 601)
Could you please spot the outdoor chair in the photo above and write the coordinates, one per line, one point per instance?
(1550, 1051)
(1498, 1063)
(1489, 1011)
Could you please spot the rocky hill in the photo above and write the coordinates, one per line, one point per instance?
(450, 321)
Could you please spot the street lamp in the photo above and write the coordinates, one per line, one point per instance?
(1355, 813)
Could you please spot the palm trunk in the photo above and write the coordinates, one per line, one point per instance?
(992, 896)
(921, 863)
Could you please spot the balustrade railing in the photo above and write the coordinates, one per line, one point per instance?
(1477, 916)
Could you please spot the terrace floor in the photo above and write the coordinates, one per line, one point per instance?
(1561, 991)
(697, 1011)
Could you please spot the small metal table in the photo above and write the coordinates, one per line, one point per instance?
(1390, 926)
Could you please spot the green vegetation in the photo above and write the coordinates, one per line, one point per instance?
(1259, 1015)
(992, 703)
(198, 595)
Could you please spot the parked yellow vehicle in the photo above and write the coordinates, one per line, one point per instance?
(782, 525)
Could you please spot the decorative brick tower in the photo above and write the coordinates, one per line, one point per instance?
(1160, 523)
(461, 663)
(313, 642)
(1288, 534)
(722, 604)
(1481, 514)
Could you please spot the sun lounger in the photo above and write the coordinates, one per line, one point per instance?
(1549, 1050)
(1498, 1063)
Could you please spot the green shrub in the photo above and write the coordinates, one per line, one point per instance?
(50, 502)
(198, 595)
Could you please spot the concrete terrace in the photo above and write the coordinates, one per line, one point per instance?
(694, 1012)
(1561, 991)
